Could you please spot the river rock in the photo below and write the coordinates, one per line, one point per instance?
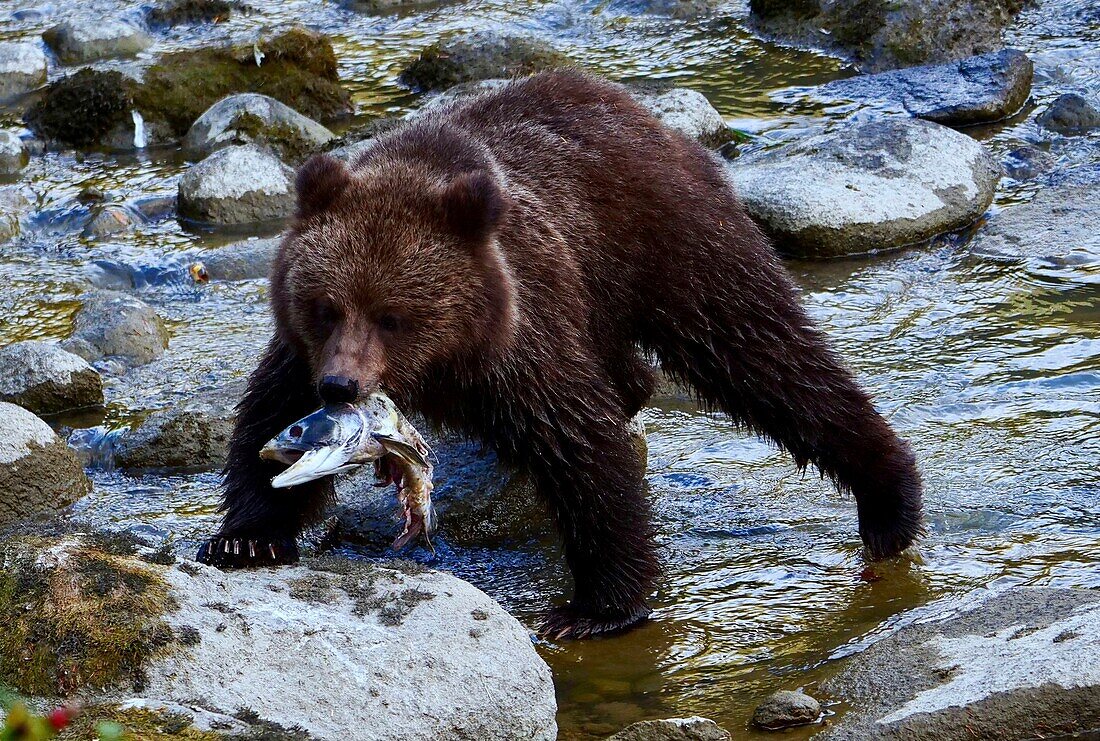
(868, 186)
(785, 709)
(38, 472)
(238, 185)
(687, 111)
(1070, 114)
(978, 89)
(43, 378)
(1028, 162)
(91, 38)
(673, 729)
(238, 261)
(480, 55)
(1055, 228)
(22, 68)
(250, 117)
(113, 325)
(881, 36)
(682, 9)
(110, 219)
(195, 438)
(13, 154)
(14, 208)
(186, 12)
(82, 109)
(1013, 664)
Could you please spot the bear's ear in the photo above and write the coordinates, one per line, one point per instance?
(474, 205)
(320, 181)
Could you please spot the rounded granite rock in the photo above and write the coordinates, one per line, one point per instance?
(238, 185)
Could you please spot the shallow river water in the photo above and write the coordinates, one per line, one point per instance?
(990, 369)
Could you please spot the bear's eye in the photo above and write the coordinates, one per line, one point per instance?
(389, 322)
(326, 313)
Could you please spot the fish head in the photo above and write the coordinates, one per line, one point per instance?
(315, 446)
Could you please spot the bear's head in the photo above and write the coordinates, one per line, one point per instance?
(392, 271)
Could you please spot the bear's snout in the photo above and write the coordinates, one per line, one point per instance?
(338, 390)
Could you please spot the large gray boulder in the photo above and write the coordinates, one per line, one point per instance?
(238, 185)
(38, 472)
(113, 325)
(250, 117)
(192, 438)
(1016, 664)
(92, 37)
(351, 650)
(867, 186)
(977, 89)
(13, 154)
(22, 68)
(481, 55)
(42, 377)
(889, 35)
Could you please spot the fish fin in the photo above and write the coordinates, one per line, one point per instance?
(402, 450)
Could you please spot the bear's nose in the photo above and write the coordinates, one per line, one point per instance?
(337, 389)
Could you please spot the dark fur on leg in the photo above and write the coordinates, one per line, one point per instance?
(747, 347)
(261, 523)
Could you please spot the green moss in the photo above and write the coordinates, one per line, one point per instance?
(480, 57)
(178, 12)
(298, 68)
(82, 108)
(283, 138)
(139, 725)
(92, 620)
(855, 24)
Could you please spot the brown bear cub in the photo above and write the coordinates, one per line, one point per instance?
(501, 266)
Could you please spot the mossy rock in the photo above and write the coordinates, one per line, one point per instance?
(77, 616)
(297, 68)
(81, 109)
(480, 56)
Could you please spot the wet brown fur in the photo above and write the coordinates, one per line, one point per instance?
(500, 266)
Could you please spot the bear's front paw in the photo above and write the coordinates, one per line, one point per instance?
(570, 622)
(227, 552)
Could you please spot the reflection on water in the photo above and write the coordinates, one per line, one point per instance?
(990, 367)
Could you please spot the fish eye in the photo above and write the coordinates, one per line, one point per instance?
(296, 431)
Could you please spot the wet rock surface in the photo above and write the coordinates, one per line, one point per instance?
(881, 36)
(673, 729)
(184, 12)
(89, 39)
(13, 154)
(687, 111)
(38, 472)
(115, 326)
(482, 55)
(786, 709)
(45, 379)
(867, 186)
(238, 185)
(1005, 665)
(192, 438)
(14, 208)
(238, 261)
(977, 89)
(248, 117)
(22, 68)
(1071, 114)
(1056, 228)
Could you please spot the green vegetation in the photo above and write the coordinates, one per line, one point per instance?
(81, 109)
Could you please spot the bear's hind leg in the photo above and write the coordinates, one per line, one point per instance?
(261, 523)
(747, 347)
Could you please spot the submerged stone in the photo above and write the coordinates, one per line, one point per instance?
(786, 709)
(1070, 114)
(238, 185)
(978, 89)
(113, 325)
(22, 68)
(868, 186)
(192, 438)
(14, 208)
(673, 729)
(13, 154)
(45, 379)
(181, 12)
(238, 261)
(480, 55)
(38, 474)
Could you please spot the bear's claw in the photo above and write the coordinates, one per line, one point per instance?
(242, 553)
(569, 622)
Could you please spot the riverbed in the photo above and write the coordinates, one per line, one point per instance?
(990, 368)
